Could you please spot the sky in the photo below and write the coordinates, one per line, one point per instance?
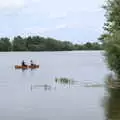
(77, 21)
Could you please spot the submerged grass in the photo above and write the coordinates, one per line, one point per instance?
(69, 81)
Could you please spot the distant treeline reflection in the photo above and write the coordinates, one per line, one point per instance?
(37, 43)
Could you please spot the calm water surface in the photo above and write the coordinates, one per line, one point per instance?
(23, 95)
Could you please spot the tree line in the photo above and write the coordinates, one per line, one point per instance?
(37, 43)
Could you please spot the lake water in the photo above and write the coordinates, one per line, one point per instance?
(23, 95)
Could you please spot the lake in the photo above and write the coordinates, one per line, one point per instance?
(36, 95)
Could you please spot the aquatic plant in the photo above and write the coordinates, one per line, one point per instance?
(64, 80)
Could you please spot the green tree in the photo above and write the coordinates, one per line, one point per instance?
(112, 15)
(111, 36)
(19, 44)
(5, 44)
(37, 43)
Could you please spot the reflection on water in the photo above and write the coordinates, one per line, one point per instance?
(112, 81)
(45, 87)
(68, 81)
(31, 95)
(65, 81)
(112, 103)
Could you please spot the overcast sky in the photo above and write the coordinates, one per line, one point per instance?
(73, 20)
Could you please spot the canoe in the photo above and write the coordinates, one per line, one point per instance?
(26, 67)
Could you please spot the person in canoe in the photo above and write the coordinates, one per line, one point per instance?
(32, 64)
(23, 63)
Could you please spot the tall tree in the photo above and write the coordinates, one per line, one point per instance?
(5, 44)
(19, 44)
(111, 36)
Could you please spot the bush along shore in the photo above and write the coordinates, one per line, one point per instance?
(111, 40)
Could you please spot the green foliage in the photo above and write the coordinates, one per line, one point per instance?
(112, 48)
(37, 43)
(19, 44)
(111, 36)
(112, 8)
(112, 14)
(5, 44)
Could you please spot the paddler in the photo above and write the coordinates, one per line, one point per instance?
(23, 63)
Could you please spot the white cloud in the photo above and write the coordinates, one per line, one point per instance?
(62, 26)
(38, 30)
(11, 4)
(35, 30)
(70, 25)
(50, 17)
(61, 8)
(58, 15)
